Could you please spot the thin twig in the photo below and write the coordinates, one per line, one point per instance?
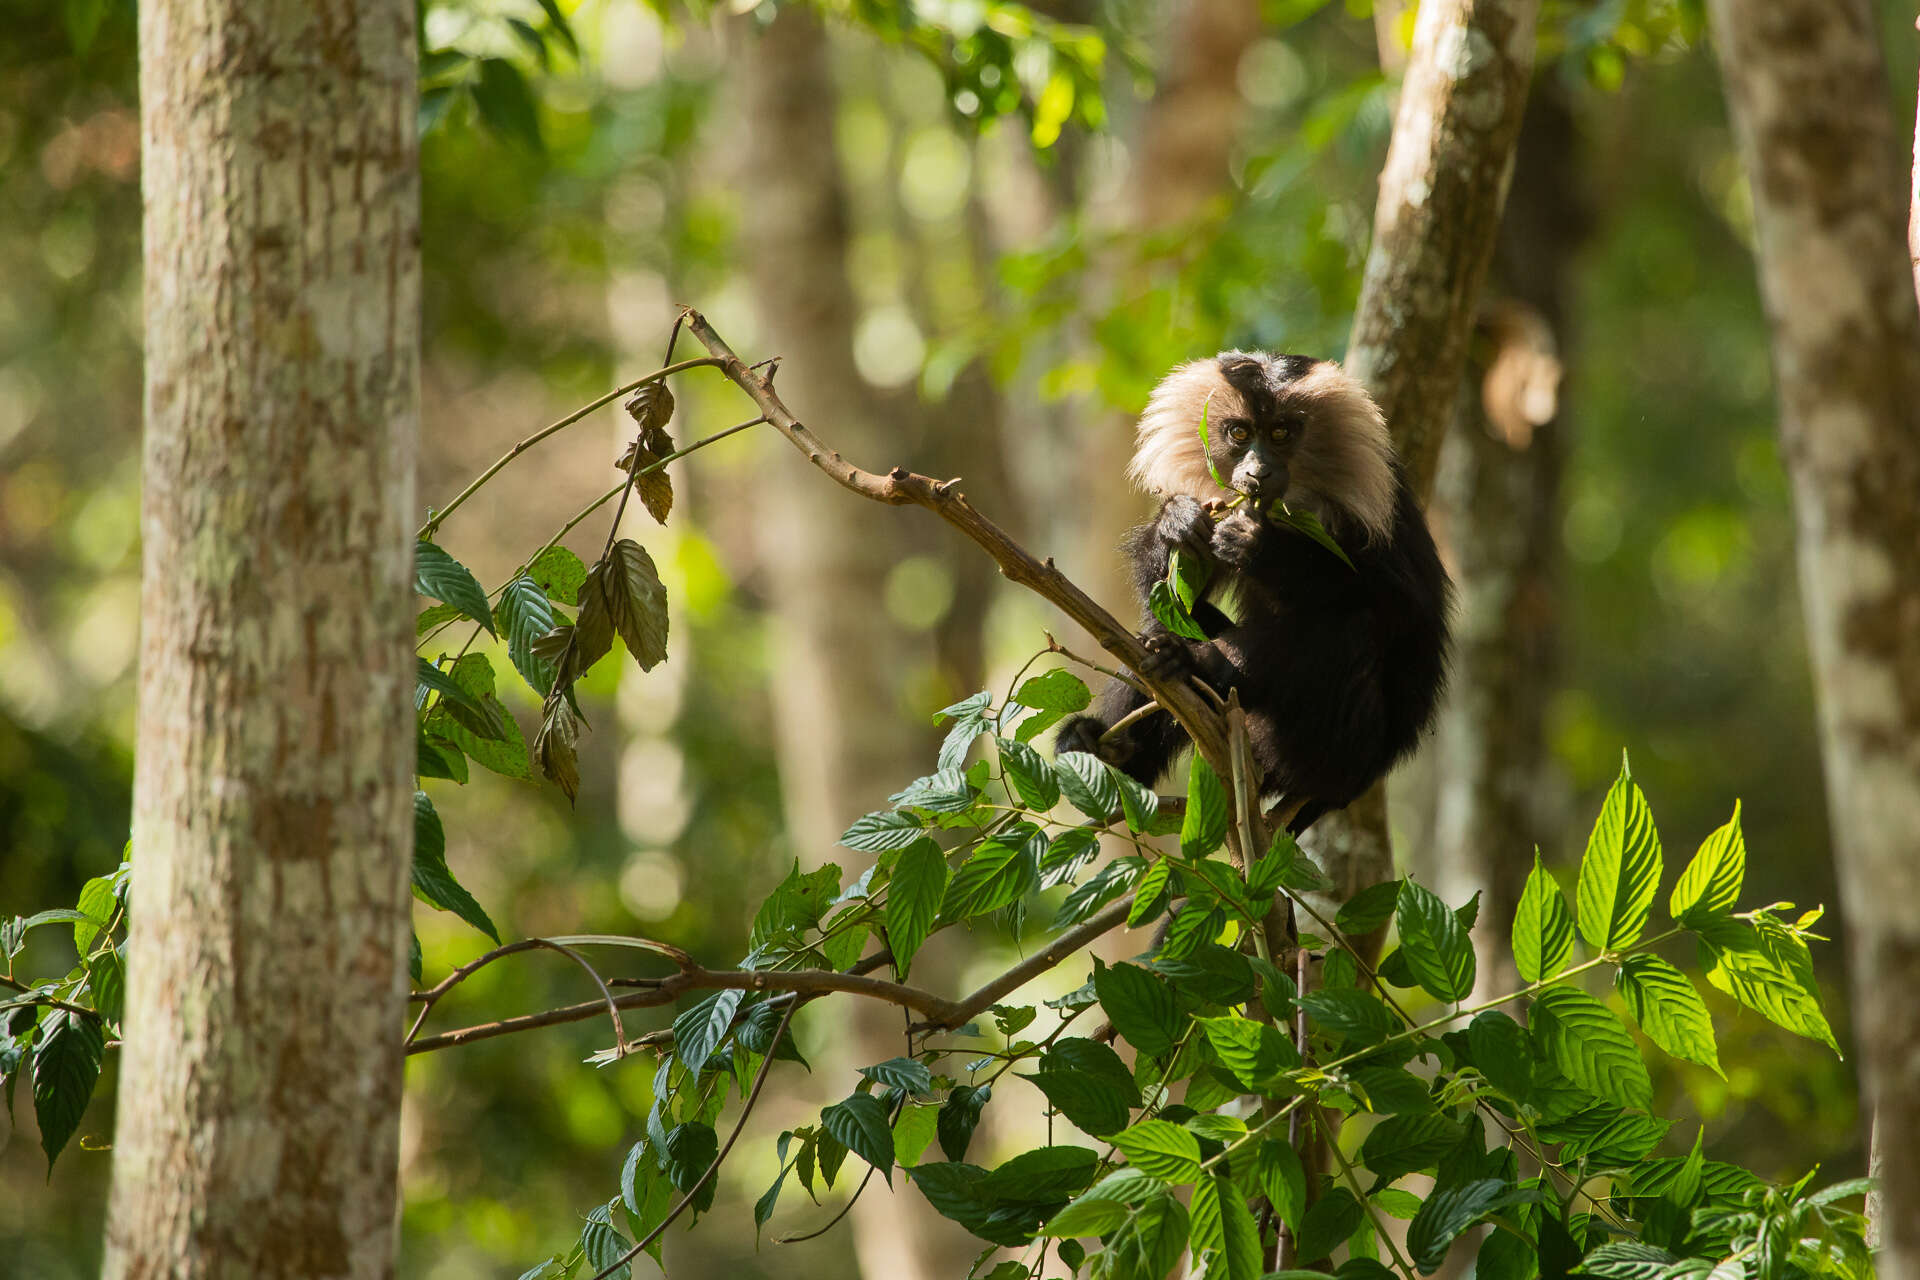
(1033, 966)
(759, 1080)
(432, 996)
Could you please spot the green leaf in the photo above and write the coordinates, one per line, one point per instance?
(1581, 1036)
(1056, 690)
(1148, 1246)
(1187, 575)
(1141, 1006)
(1139, 803)
(432, 616)
(1449, 1210)
(995, 876)
(1101, 888)
(83, 19)
(439, 576)
(959, 1115)
(1400, 1145)
(1711, 883)
(1087, 1216)
(1065, 853)
(1222, 1224)
(1282, 1180)
(1043, 1175)
(107, 984)
(1206, 442)
(66, 1066)
(1542, 927)
(1628, 1260)
(559, 22)
(1205, 825)
(914, 894)
(1086, 783)
(947, 791)
(1333, 1218)
(1439, 953)
(1150, 895)
(1028, 771)
(1307, 523)
(1350, 1014)
(861, 1123)
(1621, 870)
(433, 881)
(1669, 1010)
(907, 1074)
(1254, 1052)
(688, 1152)
(482, 720)
(1368, 909)
(1091, 1105)
(702, 1026)
(603, 1246)
(1160, 1150)
(506, 103)
(1768, 971)
(884, 830)
(913, 1131)
(97, 905)
(1095, 1061)
(1503, 1053)
(503, 750)
(1171, 614)
(523, 615)
(437, 758)
(1392, 1090)
(560, 574)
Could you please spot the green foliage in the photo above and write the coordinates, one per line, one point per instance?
(1210, 1020)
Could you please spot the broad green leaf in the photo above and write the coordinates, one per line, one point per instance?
(1768, 971)
(1542, 927)
(1503, 1053)
(1065, 853)
(507, 104)
(913, 1132)
(860, 1122)
(1138, 802)
(439, 576)
(97, 905)
(1166, 608)
(629, 587)
(1663, 1001)
(483, 719)
(914, 894)
(432, 616)
(1333, 1217)
(1087, 1216)
(1031, 777)
(1188, 576)
(1141, 1006)
(947, 791)
(687, 1152)
(603, 1245)
(1150, 895)
(1350, 1014)
(433, 882)
(1055, 690)
(1581, 1036)
(702, 1026)
(909, 1074)
(560, 574)
(884, 830)
(1368, 909)
(1101, 888)
(500, 747)
(107, 983)
(1282, 1180)
(1621, 870)
(1392, 1090)
(66, 1066)
(1092, 1105)
(1161, 1150)
(1711, 883)
(1253, 1051)
(1205, 825)
(1305, 522)
(1149, 1244)
(1045, 1174)
(1085, 782)
(1439, 953)
(959, 1115)
(994, 876)
(523, 615)
(1400, 1145)
(1221, 1224)
(1449, 1210)
(1628, 1260)
(1095, 1061)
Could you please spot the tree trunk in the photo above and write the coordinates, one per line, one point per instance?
(260, 1095)
(1498, 495)
(843, 743)
(1434, 224)
(1806, 90)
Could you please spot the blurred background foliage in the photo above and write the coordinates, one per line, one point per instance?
(571, 200)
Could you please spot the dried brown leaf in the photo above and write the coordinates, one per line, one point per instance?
(651, 406)
(553, 749)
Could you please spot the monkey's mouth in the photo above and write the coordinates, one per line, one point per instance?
(1263, 491)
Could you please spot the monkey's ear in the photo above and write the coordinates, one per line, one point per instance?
(1237, 363)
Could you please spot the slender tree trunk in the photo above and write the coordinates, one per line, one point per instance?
(1806, 92)
(1498, 494)
(842, 740)
(1434, 224)
(260, 1096)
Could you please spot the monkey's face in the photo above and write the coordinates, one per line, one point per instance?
(1256, 440)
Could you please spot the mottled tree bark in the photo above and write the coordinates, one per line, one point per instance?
(1805, 88)
(260, 1093)
(1441, 193)
(843, 743)
(1498, 494)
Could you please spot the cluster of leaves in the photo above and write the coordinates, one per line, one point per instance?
(461, 718)
(56, 1031)
(1194, 1146)
(497, 91)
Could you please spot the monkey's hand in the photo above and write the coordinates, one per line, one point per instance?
(1168, 656)
(1082, 733)
(1184, 525)
(1238, 539)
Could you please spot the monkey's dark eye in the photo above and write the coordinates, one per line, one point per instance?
(1239, 432)
(1288, 429)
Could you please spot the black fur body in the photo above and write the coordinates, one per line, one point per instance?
(1339, 669)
